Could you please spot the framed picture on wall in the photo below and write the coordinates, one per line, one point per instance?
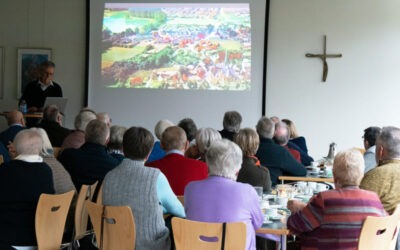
(29, 61)
(1, 72)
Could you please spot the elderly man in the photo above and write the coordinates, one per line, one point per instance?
(16, 123)
(91, 162)
(145, 190)
(384, 178)
(281, 137)
(370, 135)
(77, 138)
(52, 124)
(178, 169)
(115, 145)
(231, 124)
(330, 220)
(157, 152)
(22, 181)
(275, 157)
(104, 117)
(219, 198)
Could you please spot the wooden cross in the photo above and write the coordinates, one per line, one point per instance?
(323, 58)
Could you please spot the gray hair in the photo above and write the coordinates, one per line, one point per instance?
(82, 119)
(348, 168)
(389, 138)
(224, 158)
(204, 138)
(51, 113)
(232, 121)
(173, 137)
(282, 133)
(47, 148)
(116, 137)
(161, 126)
(97, 132)
(28, 142)
(104, 117)
(265, 127)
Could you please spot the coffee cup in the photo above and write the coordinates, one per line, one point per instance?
(282, 201)
(301, 186)
(322, 187)
(314, 164)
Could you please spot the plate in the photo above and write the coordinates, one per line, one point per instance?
(278, 217)
(269, 196)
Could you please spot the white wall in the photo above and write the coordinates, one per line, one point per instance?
(362, 87)
(55, 24)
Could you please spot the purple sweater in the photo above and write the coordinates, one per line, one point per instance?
(218, 199)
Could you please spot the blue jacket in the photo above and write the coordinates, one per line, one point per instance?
(10, 133)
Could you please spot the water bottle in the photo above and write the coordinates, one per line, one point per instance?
(23, 107)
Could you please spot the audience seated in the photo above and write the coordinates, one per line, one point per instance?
(219, 198)
(252, 172)
(52, 124)
(22, 181)
(231, 124)
(145, 190)
(275, 157)
(91, 162)
(281, 137)
(61, 178)
(178, 169)
(114, 146)
(204, 138)
(189, 127)
(370, 135)
(16, 123)
(77, 138)
(157, 152)
(384, 179)
(293, 144)
(333, 219)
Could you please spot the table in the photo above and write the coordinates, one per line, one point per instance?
(313, 178)
(27, 115)
(277, 228)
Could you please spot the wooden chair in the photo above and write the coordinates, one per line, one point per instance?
(99, 199)
(51, 214)
(202, 235)
(114, 226)
(380, 232)
(81, 213)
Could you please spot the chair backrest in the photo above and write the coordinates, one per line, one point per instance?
(202, 235)
(380, 232)
(114, 226)
(81, 214)
(99, 199)
(51, 214)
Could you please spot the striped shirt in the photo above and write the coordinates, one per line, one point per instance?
(333, 219)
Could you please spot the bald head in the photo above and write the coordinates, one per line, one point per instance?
(174, 138)
(104, 117)
(15, 117)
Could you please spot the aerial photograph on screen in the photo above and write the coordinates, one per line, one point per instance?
(176, 46)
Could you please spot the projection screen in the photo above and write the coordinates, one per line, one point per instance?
(152, 60)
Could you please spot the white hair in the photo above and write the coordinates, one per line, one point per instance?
(161, 126)
(348, 168)
(204, 138)
(224, 158)
(28, 142)
(47, 148)
(82, 119)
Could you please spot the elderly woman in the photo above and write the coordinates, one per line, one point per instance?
(252, 172)
(204, 138)
(300, 141)
(333, 219)
(219, 198)
(61, 178)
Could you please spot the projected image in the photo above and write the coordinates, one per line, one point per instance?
(176, 46)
